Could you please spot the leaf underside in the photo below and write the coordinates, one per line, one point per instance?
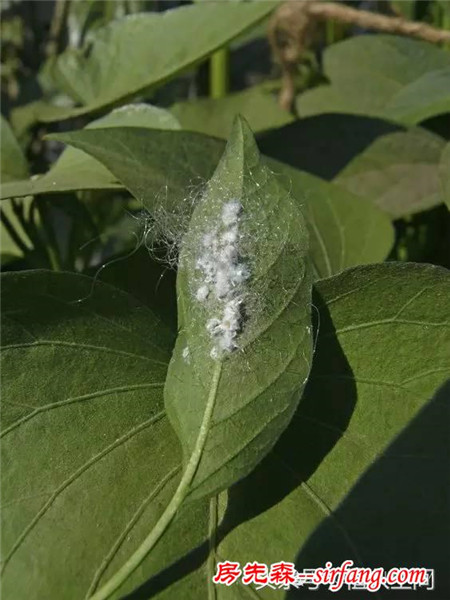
(374, 414)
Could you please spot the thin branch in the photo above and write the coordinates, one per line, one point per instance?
(385, 23)
(294, 27)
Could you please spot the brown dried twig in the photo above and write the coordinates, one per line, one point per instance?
(294, 25)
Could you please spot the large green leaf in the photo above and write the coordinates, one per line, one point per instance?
(170, 166)
(239, 401)
(136, 54)
(82, 415)
(395, 168)
(215, 117)
(363, 461)
(376, 75)
(13, 166)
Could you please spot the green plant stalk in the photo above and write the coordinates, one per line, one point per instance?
(53, 258)
(446, 25)
(330, 32)
(175, 503)
(29, 227)
(56, 27)
(13, 234)
(18, 210)
(51, 247)
(219, 73)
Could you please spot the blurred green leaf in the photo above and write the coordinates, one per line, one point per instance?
(9, 247)
(399, 172)
(425, 97)
(378, 75)
(75, 170)
(133, 55)
(405, 8)
(215, 117)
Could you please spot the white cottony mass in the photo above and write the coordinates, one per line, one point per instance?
(223, 274)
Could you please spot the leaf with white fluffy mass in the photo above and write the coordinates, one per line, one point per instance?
(244, 347)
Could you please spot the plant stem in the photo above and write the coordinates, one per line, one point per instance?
(56, 27)
(175, 503)
(13, 233)
(218, 73)
(446, 23)
(293, 23)
(50, 245)
(53, 258)
(330, 32)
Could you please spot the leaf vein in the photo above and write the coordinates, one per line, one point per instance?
(75, 475)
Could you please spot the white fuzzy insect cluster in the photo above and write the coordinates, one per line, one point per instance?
(186, 354)
(223, 274)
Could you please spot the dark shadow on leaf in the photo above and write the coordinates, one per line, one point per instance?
(164, 579)
(323, 145)
(398, 514)
(155, 289)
